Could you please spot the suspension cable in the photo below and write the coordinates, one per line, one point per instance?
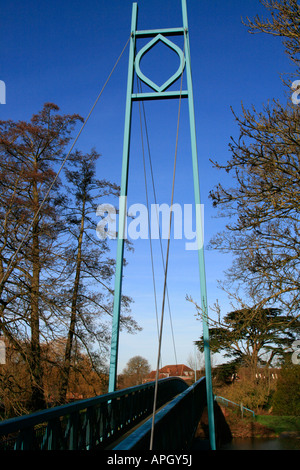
(5, 277)
(166, 270)
(150, 240)
(155, 200)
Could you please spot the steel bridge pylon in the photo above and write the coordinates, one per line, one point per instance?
(160, 92)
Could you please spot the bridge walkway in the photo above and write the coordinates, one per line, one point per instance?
(120, 420)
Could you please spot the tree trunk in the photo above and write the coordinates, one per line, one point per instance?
(37, 396)
(69, 344)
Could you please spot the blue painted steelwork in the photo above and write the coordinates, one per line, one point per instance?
(160, 93)
(153, 32)
(200, 237)
(87, 424)
(226, 402)
(175, 424)
(122, 210)
(159, 96)
(177, 74)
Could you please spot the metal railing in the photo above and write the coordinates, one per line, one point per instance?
(87, 424)
(175, 424)
(226, 402)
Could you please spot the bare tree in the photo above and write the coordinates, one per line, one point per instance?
(135, 371)
(282, 22)
(264, 203)
(88, 294)
(196, 361)
(28, 151)
(55, 272)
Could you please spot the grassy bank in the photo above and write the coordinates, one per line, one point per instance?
(262, 425)
(280, 424)
(230, 425)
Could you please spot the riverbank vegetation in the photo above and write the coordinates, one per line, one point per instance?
(262, 426)
(280, 424)
(265, 407)
(259, 337)
(271, 391)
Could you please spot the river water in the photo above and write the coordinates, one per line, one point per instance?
(263, 444)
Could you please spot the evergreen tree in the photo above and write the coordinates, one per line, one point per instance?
(253, 337)
(29, 231)
(286, 399)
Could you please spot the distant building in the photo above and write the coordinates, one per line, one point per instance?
(180, 370)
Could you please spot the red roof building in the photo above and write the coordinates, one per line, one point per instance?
(180, 370)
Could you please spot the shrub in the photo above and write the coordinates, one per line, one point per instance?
(286, 399)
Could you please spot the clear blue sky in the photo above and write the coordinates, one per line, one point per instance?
(62, 52)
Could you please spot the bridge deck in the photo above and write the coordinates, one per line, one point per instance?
(118, 441)
(121, 420)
